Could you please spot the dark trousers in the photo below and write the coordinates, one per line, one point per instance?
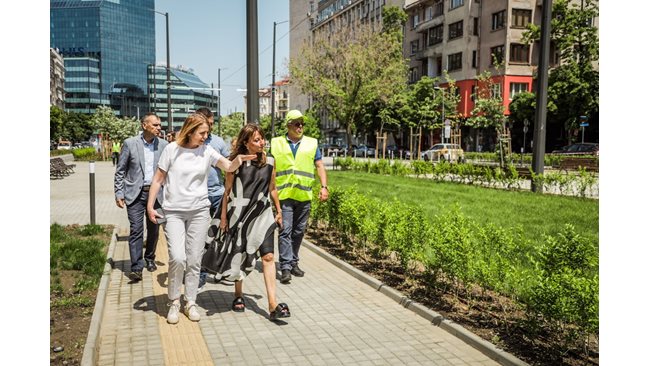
(137, 213)
(116, 156)
(294, 221)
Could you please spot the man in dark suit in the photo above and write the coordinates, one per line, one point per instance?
(133, 174)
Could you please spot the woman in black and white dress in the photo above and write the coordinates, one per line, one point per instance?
(247, 220)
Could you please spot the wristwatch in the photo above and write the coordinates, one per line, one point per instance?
(324, 187)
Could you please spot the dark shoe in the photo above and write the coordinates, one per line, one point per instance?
(281, 311)
(296, 271)
(151, 266)
(286, 276)
(135, 276)
(238, 305)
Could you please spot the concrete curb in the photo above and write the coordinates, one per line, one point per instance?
(435, 318)
(89, 357)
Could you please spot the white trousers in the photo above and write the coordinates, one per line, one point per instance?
(185, 233)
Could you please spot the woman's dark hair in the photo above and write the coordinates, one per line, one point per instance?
(245, 134)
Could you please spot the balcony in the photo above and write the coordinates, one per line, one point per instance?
(424, 26)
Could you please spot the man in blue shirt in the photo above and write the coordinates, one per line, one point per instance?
(215, 177)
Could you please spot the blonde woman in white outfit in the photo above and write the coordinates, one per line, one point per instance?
(183, 168)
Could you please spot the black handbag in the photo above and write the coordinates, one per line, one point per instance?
(214, 254)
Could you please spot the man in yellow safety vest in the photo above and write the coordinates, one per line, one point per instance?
(295, 158)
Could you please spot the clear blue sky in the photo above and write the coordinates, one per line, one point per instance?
(206, 35)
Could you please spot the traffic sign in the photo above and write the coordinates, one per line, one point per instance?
(447, 123)
(447, 132)
(584, 124)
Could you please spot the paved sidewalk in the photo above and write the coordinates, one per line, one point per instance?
(336, 318)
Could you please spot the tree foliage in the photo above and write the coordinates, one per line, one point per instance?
(57, 116)
(488, 111)
(522, 107)
(350, 70)
(574, 84)
(113, 128)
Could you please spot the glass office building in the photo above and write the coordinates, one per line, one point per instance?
(187, 93)
(106, 46)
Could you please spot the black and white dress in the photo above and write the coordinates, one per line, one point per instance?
(250, 222)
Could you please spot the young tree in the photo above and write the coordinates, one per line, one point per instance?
(488, 111)
(111, 127)
(57, 115)
(350, 70)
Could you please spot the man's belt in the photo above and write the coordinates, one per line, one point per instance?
(146, 188)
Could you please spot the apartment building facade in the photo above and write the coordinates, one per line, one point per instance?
(57, 79)
(310, 20)
(466, 37)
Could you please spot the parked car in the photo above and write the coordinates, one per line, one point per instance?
(442, 152)
(331, 150)
(582, 148)
(64, 145)
(363, 151)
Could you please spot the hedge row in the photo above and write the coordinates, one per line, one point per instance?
(557, 280)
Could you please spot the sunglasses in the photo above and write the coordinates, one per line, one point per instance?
(298, 124)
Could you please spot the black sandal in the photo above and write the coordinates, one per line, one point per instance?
(281, 311)
(238, 305)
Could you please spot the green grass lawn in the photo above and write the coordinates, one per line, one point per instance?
(537, 214)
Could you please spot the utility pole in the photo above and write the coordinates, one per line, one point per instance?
(539, 134)
(219, 100)
(273, 83)
(252, 72)
(170, 121)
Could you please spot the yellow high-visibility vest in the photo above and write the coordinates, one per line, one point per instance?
(116, 147)
(294, 176)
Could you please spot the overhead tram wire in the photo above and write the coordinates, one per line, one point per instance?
(266, 49)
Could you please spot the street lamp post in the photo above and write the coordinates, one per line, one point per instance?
(219, 98)
(170, 127)
(273, 83)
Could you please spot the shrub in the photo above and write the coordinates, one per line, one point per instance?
(86, 153)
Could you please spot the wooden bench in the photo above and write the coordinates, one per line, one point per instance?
(59, 169)
(575, 163)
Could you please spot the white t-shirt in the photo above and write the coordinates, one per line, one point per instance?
(186, 184)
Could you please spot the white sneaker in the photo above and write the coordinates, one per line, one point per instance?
(192, 312)
(174, 309)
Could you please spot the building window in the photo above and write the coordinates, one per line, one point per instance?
(435, 35)
(474, 59)
(520, 18)
(455, 30)
(415, 46)
(496, 55)
(455, 61)
(516, 88)
(416, 20)
(476, 25)
(519, 53)
(499, 20)
(453, 4)
(429, 13)
(413, 75)
(438, 8)
(496, 90)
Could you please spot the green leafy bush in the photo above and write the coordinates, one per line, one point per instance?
(86, 153)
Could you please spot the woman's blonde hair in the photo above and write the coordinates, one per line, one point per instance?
(192, 122)
(245, 134)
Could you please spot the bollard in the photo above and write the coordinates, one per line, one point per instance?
(92, 192)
